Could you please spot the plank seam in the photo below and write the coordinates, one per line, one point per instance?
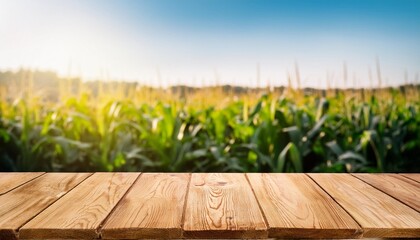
(185, 206)
(258, 201)
(30, 219)
(30, 180)
(99, 229)
(383, 192)
(412, 179)
(361, 228)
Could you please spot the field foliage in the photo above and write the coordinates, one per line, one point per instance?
(210, 130)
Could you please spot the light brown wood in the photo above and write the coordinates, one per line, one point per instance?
(295, 207)
(152, 209)
(23, 203)
(79, 213)
(379, 215)
(216, 205)
(399, 187)
(9, 181)
(222, 206)
(413, 176)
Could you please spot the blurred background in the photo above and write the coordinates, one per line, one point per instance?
(206, 86)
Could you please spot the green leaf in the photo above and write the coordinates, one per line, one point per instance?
(81, 145)
(199, 153)
(349, 155)
(317, 128)
(322, 108)
(294, 133)
(335, 148)
(256, 110)
(119, 160)
(292, 152)
(5, 135)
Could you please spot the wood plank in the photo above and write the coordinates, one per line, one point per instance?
(222, 206)
(296, 207)
(152, 209)
(25, 202)
(399, 187)
(379, 215)
(9, 181)
(413, 176)
(79, 213)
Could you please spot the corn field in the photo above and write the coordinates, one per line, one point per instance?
(124, 128)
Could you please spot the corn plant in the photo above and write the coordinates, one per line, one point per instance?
(286, 132)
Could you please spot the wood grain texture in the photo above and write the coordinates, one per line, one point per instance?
(9, 181)
(23, 203)
(413, 176)
(222, 206)
(152, 209)
(79, 213)
(296, 207)
(379, 215)
(399, 187)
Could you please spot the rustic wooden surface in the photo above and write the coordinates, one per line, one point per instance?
(153, 207)
(405, 190)
(296, 207)
(379, 214)
(80, 212)
(413, 176)
(10, 181)
(20, 205)
(208, 205)
(222, 206)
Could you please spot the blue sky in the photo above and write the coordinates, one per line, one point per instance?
(195, 42)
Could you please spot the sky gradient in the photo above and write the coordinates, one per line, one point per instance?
(166, 42)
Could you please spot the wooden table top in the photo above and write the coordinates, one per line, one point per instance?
(208, 205)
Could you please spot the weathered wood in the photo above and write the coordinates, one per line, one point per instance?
(216, 205)
(413, 176)
(379, 214)
(295, 207)
(222, 206)
(80, 212)
(399, 187)
(9, 181)
(23, 203)
(152, 209)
